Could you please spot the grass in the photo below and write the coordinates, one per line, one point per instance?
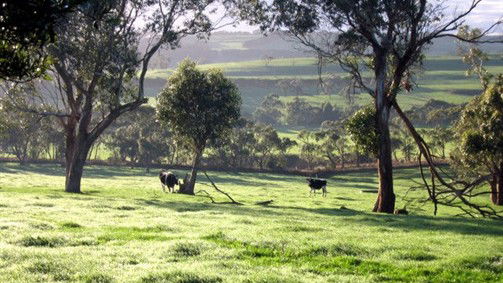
(124, 229)
(444, 79)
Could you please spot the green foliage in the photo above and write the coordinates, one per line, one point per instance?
(198, 106)
(269, 111)
(23, 133)
(362, 130)
(298, 112)
(480, 136)
(25, 28)
(309, 147)
(481, 124)
(249, 145)
(140, 137)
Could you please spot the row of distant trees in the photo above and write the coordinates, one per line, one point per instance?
(299, 112)
(138, 138)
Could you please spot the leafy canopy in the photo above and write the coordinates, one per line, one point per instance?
(198, 106)
(481, 124)
(363, 131)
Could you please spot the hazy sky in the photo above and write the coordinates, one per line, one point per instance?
(486, 13)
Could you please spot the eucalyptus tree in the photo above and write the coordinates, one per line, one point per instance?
(480, 130)
(99, 68)
(25, 28)
(198, 107)
(384, 37)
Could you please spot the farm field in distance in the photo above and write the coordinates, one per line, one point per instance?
(443, 79)
(124, 229)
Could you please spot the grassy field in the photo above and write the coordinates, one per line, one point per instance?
(443, 79)
(124, 229)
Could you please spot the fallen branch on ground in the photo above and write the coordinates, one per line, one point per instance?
(206, 195)
(220, 191)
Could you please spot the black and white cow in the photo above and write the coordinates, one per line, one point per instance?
(169, 180)
(317, 184)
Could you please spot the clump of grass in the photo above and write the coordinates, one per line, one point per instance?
(42, 226)
(180, 277)
(70, 225)
(125, 207)
(416, 255)
(303, 229)
(84, 242)
(98, 278)
(493, 264)
(40, 241)
(57, 271)
(186, 249)
(341, 249)
(266, 249)
(43, 204)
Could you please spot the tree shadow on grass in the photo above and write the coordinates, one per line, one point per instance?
(220, 207)
(426, 223)
(91, 171)
(254, 179)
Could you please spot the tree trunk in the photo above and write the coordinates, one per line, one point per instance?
(497, 187)
(386, 197)
(332, 160)
(75, 167)
(189, 188)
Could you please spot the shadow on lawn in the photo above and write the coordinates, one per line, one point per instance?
(220, 207)
(89, 171)
(426, 223)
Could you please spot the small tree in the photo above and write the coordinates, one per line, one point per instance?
(481, 131)
(309, 149)
(440, 137)
(298, 112)
(362, 130)
(198, 106)
(269, 111)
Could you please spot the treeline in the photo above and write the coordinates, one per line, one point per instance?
(298, 112)
(138, 139)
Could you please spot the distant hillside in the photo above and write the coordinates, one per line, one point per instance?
(242, 46)
(444, 79)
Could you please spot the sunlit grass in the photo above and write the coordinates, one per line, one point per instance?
(124, 229)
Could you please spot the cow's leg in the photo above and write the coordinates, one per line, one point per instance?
(163, 188)
(324, 191)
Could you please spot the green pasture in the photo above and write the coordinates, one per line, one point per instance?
(443, 78)
(123, 228)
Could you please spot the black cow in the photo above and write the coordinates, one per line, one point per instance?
(168, 179)
(317, 184)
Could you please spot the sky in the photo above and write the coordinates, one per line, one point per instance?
(486, 13)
